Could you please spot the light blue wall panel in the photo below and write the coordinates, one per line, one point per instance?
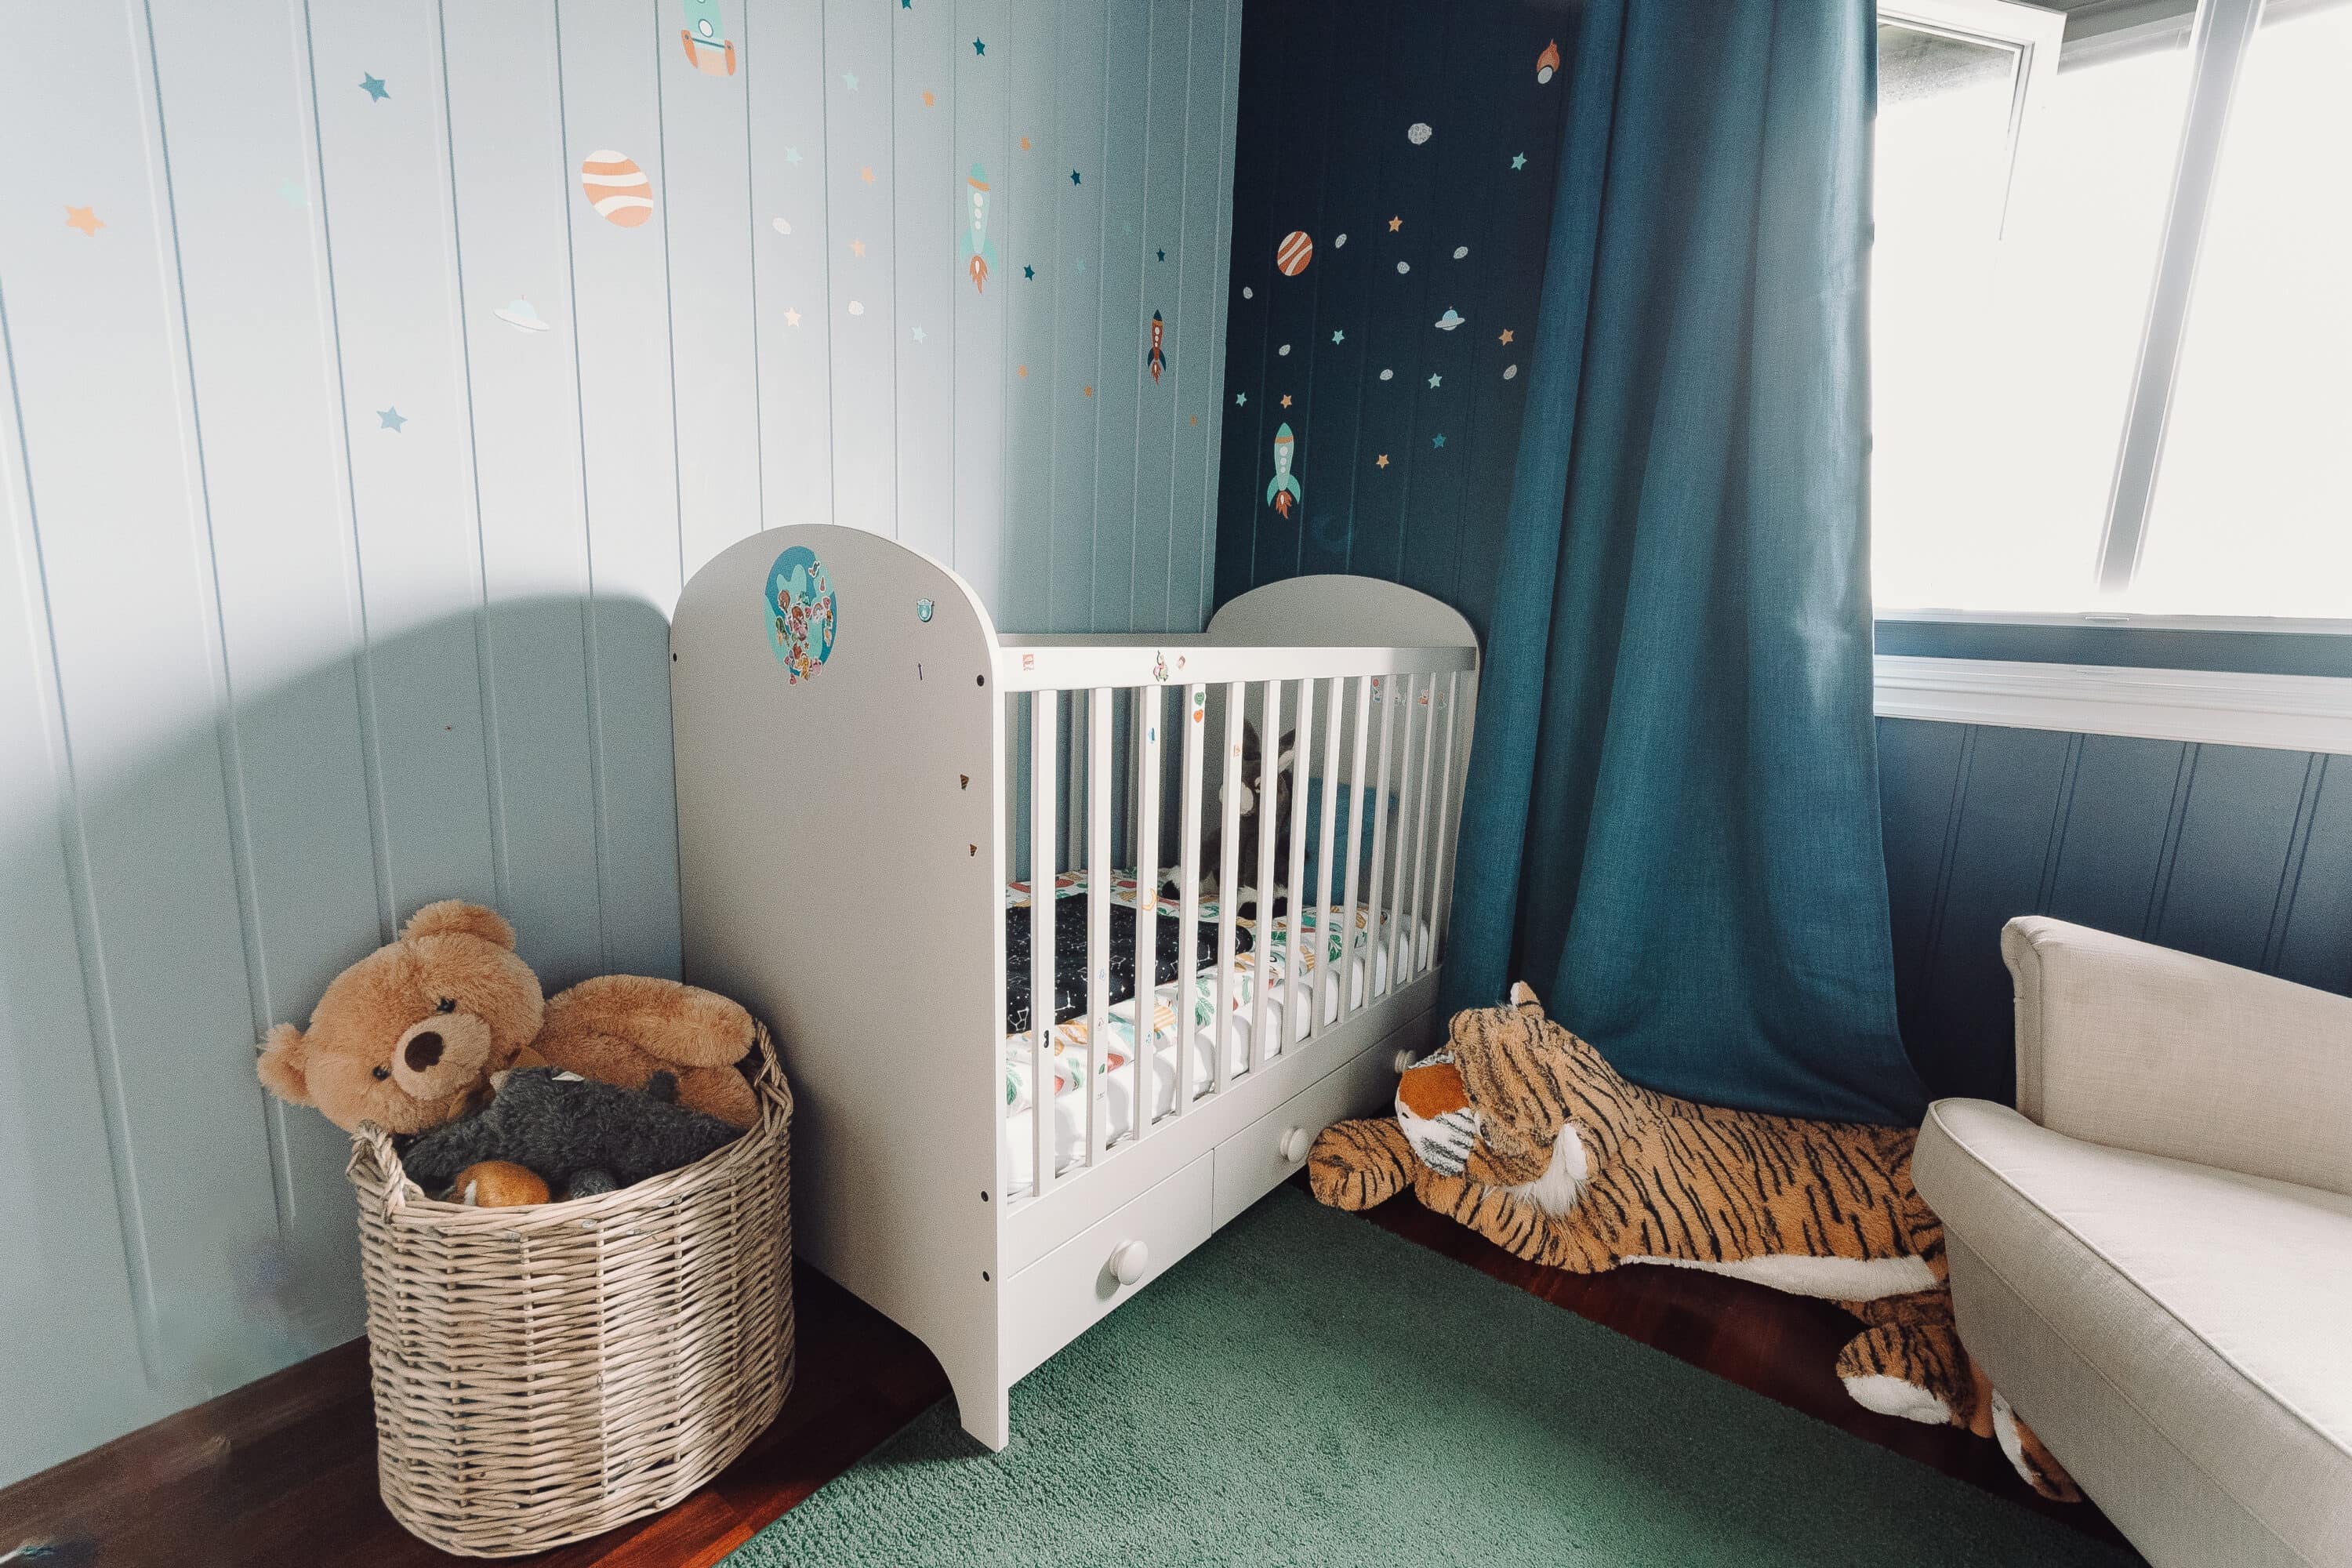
(352, 463)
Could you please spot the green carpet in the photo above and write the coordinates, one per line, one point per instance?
(1307, 1388)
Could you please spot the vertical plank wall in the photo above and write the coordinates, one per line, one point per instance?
(350, 462)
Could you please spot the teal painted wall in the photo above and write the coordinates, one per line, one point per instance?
(335, 580)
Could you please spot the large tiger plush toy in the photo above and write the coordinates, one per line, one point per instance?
(1525, 1133)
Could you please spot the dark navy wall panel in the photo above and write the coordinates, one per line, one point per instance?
(2236, 853)
(1405, 430)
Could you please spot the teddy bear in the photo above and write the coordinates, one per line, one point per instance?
(1525, 1133)
(411, 1035)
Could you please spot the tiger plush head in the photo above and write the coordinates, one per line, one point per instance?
(1512, 1101)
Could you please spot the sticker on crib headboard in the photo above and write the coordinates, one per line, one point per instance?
(801, 613)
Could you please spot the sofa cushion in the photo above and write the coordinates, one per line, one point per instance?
(2213, 1305)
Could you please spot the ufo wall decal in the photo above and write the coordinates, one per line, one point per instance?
(1418, 132)
(520, 315)
(1548, 61)
(1451, 319)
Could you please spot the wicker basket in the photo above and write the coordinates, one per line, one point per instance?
(544, 1373)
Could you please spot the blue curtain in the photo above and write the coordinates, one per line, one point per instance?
(1671, 829)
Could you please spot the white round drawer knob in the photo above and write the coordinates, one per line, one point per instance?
(1129, 1261)
(1295, 1142)
(1403, 1060)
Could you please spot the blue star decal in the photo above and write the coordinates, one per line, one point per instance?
(1163, 255)
(390, 419)
(374, 87)
(1435, 380)
(850, 79)
(1340, 337)
(792, 154)
(977, 47)
(1519, 162)
(1081, 264)
(1028, 272)
(1437, 440)
(1073, 176)
(918, 334)
(1241, 399)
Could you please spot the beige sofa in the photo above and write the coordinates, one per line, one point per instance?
(2153, 1255)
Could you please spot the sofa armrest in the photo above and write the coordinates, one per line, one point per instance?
(2140, 1048)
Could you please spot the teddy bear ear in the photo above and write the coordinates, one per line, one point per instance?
(282, 1065)
(455, 916)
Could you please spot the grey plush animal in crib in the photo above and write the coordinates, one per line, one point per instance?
(581, 1137)
(1246, 827)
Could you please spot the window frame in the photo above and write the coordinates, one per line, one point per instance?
(2219, 35)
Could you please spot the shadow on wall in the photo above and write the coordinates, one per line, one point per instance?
(172, 1232)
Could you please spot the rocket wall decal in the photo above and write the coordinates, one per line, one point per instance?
(979, 252)
(1286, 487)
(1157, 358)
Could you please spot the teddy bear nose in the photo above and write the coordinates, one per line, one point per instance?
(424, 1051)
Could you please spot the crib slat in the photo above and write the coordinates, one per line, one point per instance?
(1188, 860)
(1269, 795)
(1375, 968)
(1098, 875)
(1229, 876)
(1043, 791)
(1355, 809)
(1293, 963)
(1449, 794)
(1326, 877)
(1152, 711)
(1400, 907)
(1426, 702)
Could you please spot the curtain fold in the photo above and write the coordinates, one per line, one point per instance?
(1672, 827)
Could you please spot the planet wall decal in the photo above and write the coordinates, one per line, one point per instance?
(616, 188)
(1418, 132)
(1291, 256)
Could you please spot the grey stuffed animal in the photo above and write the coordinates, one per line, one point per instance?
(581, 1137)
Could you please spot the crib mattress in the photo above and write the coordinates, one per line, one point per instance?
(1115, 1091)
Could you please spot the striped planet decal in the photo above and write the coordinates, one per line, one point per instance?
(1294, 253)
(616, 188)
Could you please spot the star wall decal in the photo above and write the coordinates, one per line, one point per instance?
(1028, 272)
(1196, 421)
(930, 97)
(374, 87)
(1025, 143)
(1339, 336)
(1395, 224)
(1286, 400)
(1163, 254)
(1435, 380)
(792, 316)
(1080, 264)
(792, 154)
(1519, 162)
(849, 79)
(866, 173)
(1381, 461)
(1437, 440)
(857, 247)
(390, 419)
(1025, 372)
(1073, 176)
(977, 47)
(918, 334)
(84, 220)
(1241, 399)
(1506, 335)
(1091, 391)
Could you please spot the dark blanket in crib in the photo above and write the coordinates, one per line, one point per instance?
(1070, 958)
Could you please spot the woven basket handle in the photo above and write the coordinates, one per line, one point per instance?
(768, 1077)
(373, 1163)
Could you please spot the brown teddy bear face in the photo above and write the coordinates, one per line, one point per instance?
(408, 1035)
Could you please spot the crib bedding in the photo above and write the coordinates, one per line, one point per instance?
(1115, 1091)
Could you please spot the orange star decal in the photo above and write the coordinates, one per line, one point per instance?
(1286, 400)
(1025, 143)
(1091, 391)
(867, 174)
(82, 219)
(1395, 224)
(928, 100)
(1024, 373)
(1381, 461)
(1507, 335)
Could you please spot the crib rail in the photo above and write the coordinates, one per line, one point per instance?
(1325, 842)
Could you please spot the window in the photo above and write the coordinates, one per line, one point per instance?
(2063, 423)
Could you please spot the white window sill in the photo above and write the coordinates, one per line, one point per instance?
(2293, 713)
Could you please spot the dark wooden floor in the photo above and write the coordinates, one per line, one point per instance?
(281, 1474)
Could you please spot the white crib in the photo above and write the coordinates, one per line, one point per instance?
(852, 832)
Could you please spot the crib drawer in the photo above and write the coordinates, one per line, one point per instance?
(1060, 1295)
(1253, 1162)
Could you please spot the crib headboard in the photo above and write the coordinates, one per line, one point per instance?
(840, 874)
